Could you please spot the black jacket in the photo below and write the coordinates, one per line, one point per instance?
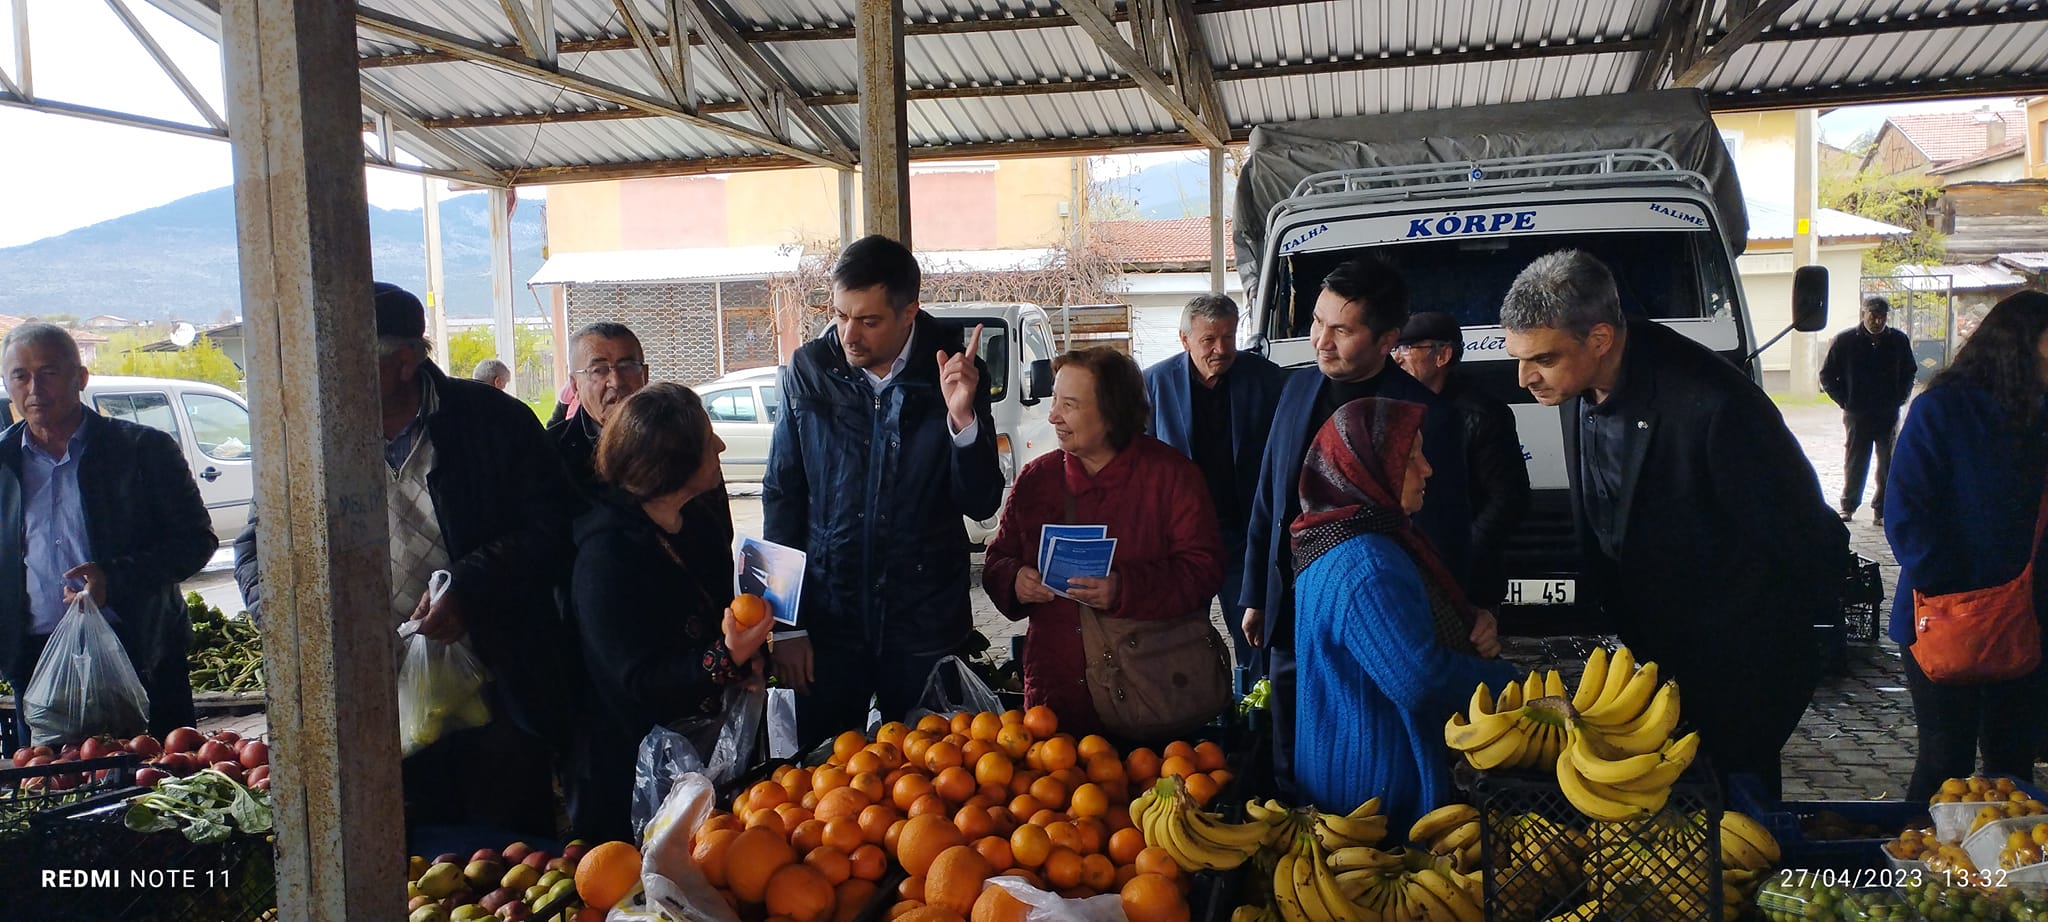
(504, 506)
(706, 541)
(149, 531)
(1869, 374)
(872, 488)
(1498, 486)
(1729, 553)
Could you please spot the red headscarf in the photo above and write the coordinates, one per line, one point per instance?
(1351, 485)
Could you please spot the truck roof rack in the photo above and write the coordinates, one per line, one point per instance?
(1454, 178)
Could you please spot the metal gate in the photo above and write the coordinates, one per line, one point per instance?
(1924, 306)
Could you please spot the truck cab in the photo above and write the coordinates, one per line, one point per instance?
(1017, 346)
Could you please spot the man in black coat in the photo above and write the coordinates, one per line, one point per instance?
(1869, 374)
(476, 489)
(95, 505)
(1430, 348)
(1705, 538)
(885, 440)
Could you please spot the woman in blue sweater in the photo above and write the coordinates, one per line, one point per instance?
(1960, 509)
(1385, 638)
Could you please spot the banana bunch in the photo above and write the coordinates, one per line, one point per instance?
(1450, 831)
(1525, 728)
(1363, 826)
(1608, 786)
(1363, 884)
(1197, 840)
(1748, 854)
(1630, 710)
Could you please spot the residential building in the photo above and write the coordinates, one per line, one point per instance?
(1165, 263)
(2037, 137)
(1927, 142)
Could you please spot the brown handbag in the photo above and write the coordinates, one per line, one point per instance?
(1982, 635)
(1153, 680)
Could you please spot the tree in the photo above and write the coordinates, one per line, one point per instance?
(201, 361)
(1907, 200)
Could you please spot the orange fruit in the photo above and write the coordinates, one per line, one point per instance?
(865, 762)
(752, 858)
(1088, 800)
(1041, 721)
(829, 778)
(1005, 823)
(710, 854)
(869, 862)
(1098, 873)
(961, 723)
(870, 786)
(1155, 860)
(932, 804)
(892, 732)
(797, 782)
(769, 820)
(810, 800)
(1202, 788)
(943, 755)
(793, 815)
(1222, 777)
(832, 863)
(923, 840)
(971, 753)
(890, 754)
(721, 821)
(874, 823)
(954, 784)
(1023, 806)
(1064, 835)
(985, 726)
(1178, 748)
(955, 879)
(1063, 869)
(974, 823)
(766, 795)
(798, 891)
(1044, 818)
(1124, 873)
(846, 744)
(850, 898)
(915, 746)
(1119, 816)
(748, 609)
(1125, 844)
(1025, 876)
(1014, 740)
(935, 725)
(1104, 768)
(1058, 753)
(995, 850)
(992, 794)
(1094, 834)
(994, 768)
(894, 835)
(1020, 781)
(1013, 718)
(1050, 792)
(909, 789)
(1176, 767)
(1094, 745)
(1152, 898)
(911, 889)
(1142, 766)
(997, 905)
(807, 835)
(843, 834)
(930, 914)
(903, 908)
(842, 804)
(1208, 757)
(1029, 846)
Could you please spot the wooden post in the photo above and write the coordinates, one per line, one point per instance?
(437, 289)
(884, 133)
(1805, 240)
(501, 285)
(302, 219)
(849, 226)
(1217, 243)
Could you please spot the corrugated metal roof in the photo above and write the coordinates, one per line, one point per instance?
(1960, 278)
(1280, 60)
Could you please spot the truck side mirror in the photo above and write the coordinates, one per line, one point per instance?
(1810, 299)
(1040, 382)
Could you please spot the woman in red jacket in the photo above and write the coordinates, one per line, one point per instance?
(1152, 499)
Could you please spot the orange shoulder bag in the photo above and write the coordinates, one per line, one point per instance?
(1982, 635)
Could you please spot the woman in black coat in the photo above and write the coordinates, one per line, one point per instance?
(659, 642)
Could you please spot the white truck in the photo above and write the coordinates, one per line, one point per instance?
(1461, 200)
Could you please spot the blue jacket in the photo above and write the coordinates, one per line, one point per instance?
(872, 488)
(1375, 685)
(1255, 384)
(1959, 508)
(1446, 517)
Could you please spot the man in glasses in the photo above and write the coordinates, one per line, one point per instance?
(1497, 478)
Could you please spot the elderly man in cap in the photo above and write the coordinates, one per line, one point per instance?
(1869, 374)
(476, 490)
(1497, 476)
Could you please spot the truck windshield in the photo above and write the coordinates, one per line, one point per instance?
(1663, 275)
(995, 350)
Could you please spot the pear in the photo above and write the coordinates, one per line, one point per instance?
(440, 880)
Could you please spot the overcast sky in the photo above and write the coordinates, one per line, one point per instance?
(64, 173)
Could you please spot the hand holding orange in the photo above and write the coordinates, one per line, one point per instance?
(748, 609)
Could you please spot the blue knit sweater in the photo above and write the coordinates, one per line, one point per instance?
(1375, 686)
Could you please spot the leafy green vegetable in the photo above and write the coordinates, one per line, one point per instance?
(208, 806)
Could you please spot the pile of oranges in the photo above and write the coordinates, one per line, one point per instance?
(953, 802)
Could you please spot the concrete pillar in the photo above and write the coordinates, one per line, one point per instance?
(1217, 243)
(1805, 241)
(849, 221)
(501, 284)
(884, 134)
(437, 291)
(302, 220)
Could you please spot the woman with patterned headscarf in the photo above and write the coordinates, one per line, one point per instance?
(1384, 635)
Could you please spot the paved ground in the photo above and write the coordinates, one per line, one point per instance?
(1856, 741)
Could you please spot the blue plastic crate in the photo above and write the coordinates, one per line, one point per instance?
(1782, 820)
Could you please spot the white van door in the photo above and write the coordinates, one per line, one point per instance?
(1034, 422)
(222, 465)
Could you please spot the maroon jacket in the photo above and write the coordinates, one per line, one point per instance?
(1169, 557)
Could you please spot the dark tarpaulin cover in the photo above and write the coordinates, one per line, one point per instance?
(1677, 122)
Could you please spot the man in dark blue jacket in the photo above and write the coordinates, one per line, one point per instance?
(1358, 318)
(1215, 404)
(885, 441)
(1869, 374)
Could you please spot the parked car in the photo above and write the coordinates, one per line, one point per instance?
(743, 407)
(209, 422)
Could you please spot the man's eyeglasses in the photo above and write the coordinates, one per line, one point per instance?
(622, 369)
(1418, 347)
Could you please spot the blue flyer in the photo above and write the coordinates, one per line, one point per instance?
(1069, 558)
(771, 571)
(1065, 531)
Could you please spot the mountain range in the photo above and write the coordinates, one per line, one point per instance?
(1178, 188)
(178, 261)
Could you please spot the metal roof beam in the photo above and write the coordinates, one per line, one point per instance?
(467, 158)
(18, 101)
(522, 26)
(1684, 26)
(1173, 98)
(1858, 94)
(26, 87)
(743, 62)
(1192, 69)
(1742, 29)
(428, 36)
(170, 68)
(643, 38)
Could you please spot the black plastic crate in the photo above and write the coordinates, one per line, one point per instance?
(1544, 858)
(1862, 601)
(26, 792)
(131, 875)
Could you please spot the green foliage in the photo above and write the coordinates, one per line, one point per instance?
(532, 348)
(201, 361)
(1906, 200)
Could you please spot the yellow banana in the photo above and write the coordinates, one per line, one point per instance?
(1621, 666)
(1752, 833)
(1283, 890)
(1366, 831)
(1591, 681)
(1737, 852)
(1587, 911)
(1301, 879)
(1675, 758)
(1246, 913)
(1652, 728)
(1553, 685)
(1252, 808)
(1362, 858)
(1581, 749)
(1441, 820)
(1232, 836)
(1339, 906)
(1510, 698)
(1628, 704)
(1532, 687)
(1502, 752)
(1453, 897)
(1196, 851)
(1143, 805)
(1603, 808)
(1482, 701)
(1466, 735)
(1456, 839)
(1369, 808)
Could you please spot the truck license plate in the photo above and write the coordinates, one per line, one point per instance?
(1542, 591)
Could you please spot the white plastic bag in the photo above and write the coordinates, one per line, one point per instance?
(672, 888)
(1051, 907)
(440, 685)
(718, 748)
(964, 693)
(782, 734)
(83, 684)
